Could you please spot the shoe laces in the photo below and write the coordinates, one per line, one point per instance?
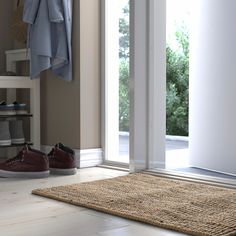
(52, 153)
(3, 103)
(19, 157)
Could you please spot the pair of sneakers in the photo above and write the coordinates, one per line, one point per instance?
(14, 108)
(31, 163)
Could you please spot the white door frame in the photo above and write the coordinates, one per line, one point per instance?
(148, 84)
(110, 82)
(157, 84)
(138, 85)
(110, 79)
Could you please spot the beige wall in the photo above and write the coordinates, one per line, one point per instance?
(59, 111)
(90, 94)
(70, 112)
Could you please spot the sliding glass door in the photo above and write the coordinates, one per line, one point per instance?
(115, 76)
(145, 87)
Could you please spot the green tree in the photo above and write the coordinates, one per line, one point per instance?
(124, 33)
(177, 99)
(124, 70)
(124, 96)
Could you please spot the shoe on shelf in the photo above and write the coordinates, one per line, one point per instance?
(62, 160)
(5, 136)
(29, 163)
(20, 108)
(7, 109)
(16, 131)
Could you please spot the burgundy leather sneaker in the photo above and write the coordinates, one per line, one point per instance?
(62, 160)
(29, 163)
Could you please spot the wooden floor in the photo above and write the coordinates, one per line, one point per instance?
(23, 214)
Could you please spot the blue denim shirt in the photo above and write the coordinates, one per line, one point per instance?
(49, 40)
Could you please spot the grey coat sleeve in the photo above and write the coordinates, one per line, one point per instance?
(31, 8)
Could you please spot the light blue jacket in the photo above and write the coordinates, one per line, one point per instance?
(49, 40)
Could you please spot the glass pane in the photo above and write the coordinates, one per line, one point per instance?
(118, 33)
(124, 82)
(177, 94)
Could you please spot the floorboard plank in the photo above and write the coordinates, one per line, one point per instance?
(23, 214)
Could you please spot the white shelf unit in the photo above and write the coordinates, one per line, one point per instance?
(11, 83)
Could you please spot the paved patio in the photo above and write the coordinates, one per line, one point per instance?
(176, 152)
(176, 156)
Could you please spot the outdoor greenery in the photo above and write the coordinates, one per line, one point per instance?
(177, 80)
(124, 96)
(124, 34)
(124, 70)
(177, 99)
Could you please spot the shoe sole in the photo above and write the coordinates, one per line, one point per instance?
(18, 141)
(34, 175)
(5, 142)
(58, 171)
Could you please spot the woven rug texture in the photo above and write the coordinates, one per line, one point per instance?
(187, 207)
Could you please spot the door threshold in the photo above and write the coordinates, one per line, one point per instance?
(215, 181)
(115, 165)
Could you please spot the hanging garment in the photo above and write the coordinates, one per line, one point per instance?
(49, 39)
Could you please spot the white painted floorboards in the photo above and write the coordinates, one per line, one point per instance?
(23, 214)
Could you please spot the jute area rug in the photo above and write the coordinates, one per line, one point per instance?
(192, 208)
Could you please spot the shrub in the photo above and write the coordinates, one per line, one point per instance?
(177, 72)
(124, 96)
(124, 70)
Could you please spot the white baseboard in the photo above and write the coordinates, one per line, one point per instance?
(84, 158)
(89, 157)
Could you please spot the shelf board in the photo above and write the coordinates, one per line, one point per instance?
(16, 145)
(17, 82)
(14, 77)
(17, 115)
